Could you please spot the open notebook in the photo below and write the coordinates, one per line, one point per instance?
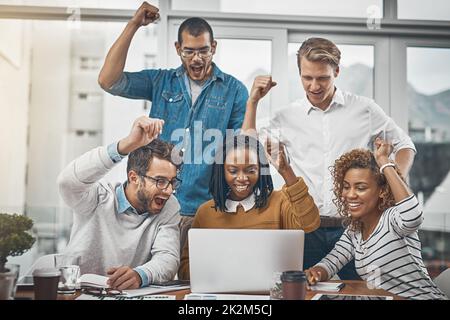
(98, 281)
(93, 280)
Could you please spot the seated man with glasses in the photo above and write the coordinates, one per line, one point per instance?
(191, 99)
(127, 231)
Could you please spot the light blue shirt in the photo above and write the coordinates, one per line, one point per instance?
(124, 206)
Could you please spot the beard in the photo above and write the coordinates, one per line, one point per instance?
(145, 200)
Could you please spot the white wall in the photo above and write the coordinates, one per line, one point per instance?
(201, 5)
(14, 91)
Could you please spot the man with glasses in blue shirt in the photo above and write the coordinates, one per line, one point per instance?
(127, 231)
(195, 97)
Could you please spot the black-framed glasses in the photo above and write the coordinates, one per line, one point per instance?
(102, 292)
(163, 183)
(203, 53)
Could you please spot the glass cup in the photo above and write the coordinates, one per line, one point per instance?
(14, 268)
(276, 291)
(8, 281)
(69, 266)
(69, 279)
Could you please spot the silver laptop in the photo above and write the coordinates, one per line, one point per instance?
(241, 260)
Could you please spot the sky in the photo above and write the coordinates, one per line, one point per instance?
(428, 69)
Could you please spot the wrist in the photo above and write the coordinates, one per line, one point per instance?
(252, 102)
(142, 277)
(124, 147)
(386, 165)
(132, 25)
(382, 161)
(288, 175)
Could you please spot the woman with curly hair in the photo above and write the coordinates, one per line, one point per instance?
(383, 217)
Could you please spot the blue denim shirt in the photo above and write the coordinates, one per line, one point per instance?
(221, 106)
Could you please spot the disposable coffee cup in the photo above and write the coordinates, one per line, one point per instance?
(293, 284)
(46, 283)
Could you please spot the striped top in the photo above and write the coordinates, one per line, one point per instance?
(390, 258)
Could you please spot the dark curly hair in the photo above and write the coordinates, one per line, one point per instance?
(359, 159)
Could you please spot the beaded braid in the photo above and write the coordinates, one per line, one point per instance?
(219, 189)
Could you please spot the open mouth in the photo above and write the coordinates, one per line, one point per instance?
(315, 94)
(353, 206)
(240, 188)
(197, 70)
(160, 201)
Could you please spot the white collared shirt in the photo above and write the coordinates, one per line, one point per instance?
(248, 203)
(316, 138)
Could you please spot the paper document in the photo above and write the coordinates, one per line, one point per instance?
(327, 286)
(212, 296)
(153, 297)
(98, 281)
(151, 290)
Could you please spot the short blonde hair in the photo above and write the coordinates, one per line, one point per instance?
(319, 49)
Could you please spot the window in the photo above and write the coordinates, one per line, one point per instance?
(356, 70)
(52, 110)
(328, 8)
(246, 59)
(428, 95)
(423, 10)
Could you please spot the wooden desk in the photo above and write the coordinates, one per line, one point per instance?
(356, 287)
(351, 287)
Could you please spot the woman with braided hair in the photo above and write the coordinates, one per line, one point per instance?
(243, 195)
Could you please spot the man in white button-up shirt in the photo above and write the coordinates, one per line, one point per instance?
(321, 127)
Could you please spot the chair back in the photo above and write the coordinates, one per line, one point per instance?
(442, 281)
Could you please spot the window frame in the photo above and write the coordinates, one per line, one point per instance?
(398, 72)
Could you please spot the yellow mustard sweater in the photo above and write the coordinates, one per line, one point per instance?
(290, 208)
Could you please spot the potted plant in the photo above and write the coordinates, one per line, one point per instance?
(14, 241)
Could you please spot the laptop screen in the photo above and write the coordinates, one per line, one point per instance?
(241, 260)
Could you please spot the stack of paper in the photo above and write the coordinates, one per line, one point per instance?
(327, 286)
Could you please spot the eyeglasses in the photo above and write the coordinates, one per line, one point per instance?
(102, 292)
(203, 53)
(163, 183)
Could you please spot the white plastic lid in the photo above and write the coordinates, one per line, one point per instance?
(46, 272)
